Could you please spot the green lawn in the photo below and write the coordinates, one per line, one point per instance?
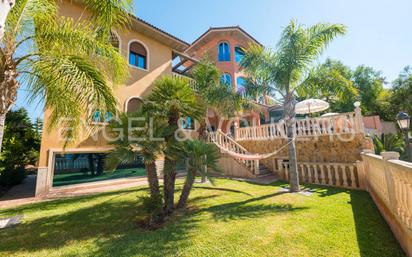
(231, 219)
(80, 177)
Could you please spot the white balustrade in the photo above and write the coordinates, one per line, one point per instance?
(344, 175)
(343, 123)
(227, 143)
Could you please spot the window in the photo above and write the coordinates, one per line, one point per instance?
(134, 105)
(241, 90)
(239, 54)
(138, 55)
(114, 40)
(99, 117)
(226, 79)
(188, 124)
(224, 52)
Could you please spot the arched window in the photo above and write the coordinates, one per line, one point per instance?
(239, 54)
(226, 79)
(240, 83)
(114, 40)
(188, 123)
(138, 55)
(134, 104)
(224, 52)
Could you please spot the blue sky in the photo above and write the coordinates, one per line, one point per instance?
(379, 31)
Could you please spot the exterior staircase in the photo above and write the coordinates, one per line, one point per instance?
(252, 168)
(263, 171)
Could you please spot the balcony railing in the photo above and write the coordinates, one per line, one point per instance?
(345, 123)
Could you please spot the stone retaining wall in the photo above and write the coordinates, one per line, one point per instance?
(332, 149)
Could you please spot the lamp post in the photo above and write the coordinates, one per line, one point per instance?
(404, 120)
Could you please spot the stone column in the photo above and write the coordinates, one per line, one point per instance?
(236, 134)
(42, 186)
(358, 118)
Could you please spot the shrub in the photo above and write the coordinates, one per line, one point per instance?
(21, 144)
(12, 176)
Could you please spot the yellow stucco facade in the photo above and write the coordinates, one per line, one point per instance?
(159, 46)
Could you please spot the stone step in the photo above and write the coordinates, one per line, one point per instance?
(264, 171)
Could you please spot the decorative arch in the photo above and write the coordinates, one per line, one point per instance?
(133, 103)
(138, 55)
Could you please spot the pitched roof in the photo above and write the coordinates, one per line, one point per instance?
(159, 30)
(226, 28)
(152, 31)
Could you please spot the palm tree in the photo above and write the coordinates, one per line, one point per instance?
(142, 141)
(173, 99)
(213, 94)
(70, 64)
(288, 67)
(198, 156)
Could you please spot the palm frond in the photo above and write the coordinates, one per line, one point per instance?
(205, 74)
(20, 18)
(80, 38)
(136, 134)
(175, 96)
(109, 13)
(72, 89)
(198, 154)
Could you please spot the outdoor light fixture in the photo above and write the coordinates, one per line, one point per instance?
(404, 120)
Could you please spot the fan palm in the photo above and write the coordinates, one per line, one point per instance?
(69, 64)
(288, 67)
(198, 156)
(173, 99)
(136, 135)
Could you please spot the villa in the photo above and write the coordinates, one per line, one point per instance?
(332, 150)
(151, 53)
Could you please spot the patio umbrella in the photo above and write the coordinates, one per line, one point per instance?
(311, 106)
(330, 114)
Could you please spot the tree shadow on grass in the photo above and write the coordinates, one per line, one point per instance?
(56, 203)
(110, 224)
(222, 189)
(250, 208)
(374, 235)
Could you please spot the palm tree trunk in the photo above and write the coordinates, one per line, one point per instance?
(8, 88)
(202, 131)
(152, 179)
(169, 184)
(190, 180)
(290, 119)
